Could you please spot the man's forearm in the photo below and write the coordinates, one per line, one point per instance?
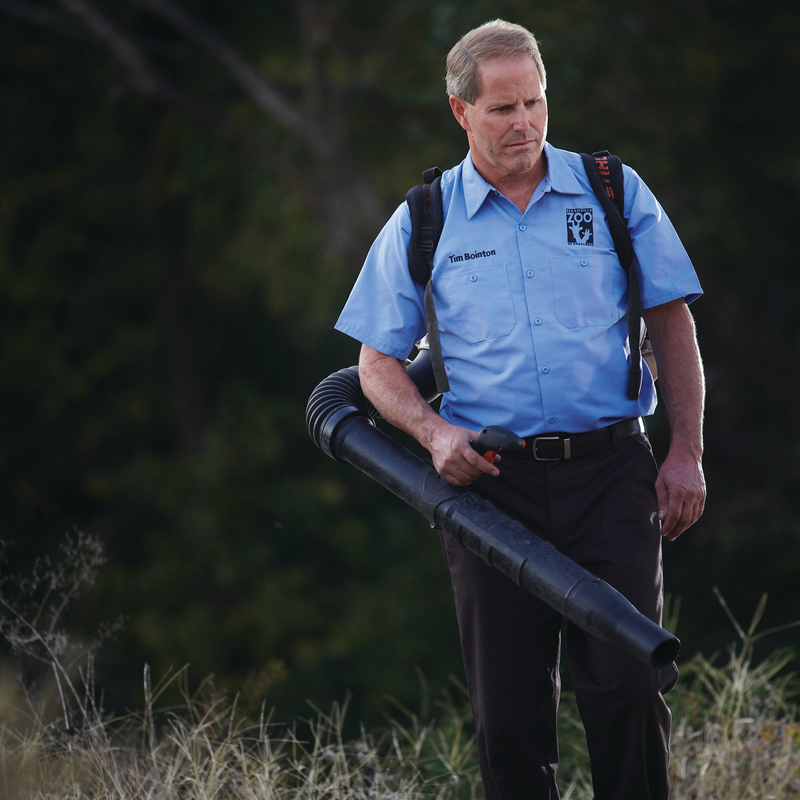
(680, 374)
(387, 386)
(680, 486)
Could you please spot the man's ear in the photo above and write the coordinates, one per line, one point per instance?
(459, 107)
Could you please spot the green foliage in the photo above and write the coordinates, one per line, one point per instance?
(167, 303)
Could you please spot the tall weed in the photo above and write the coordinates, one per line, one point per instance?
(737, 734)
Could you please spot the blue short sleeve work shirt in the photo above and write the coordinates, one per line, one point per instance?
(531, 307)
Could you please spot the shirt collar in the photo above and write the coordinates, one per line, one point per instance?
(559, 177)
(476, 189)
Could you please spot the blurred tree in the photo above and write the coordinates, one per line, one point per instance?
(164, 307)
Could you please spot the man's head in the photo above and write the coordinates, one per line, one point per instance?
(496, 81)
(497, 39)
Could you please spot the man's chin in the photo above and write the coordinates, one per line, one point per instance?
(522, 163)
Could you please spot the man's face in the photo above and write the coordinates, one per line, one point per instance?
(507, 125)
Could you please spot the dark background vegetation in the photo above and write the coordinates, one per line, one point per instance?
(185, 200)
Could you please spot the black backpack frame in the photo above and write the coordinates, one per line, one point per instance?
(427, 221)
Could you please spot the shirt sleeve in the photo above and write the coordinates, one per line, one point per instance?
(385, 309)
(664, 265)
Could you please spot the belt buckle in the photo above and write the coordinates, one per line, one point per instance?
(536, 440)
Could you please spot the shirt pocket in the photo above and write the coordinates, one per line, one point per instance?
(589, 290)
(476, 305)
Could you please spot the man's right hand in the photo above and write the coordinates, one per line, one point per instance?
(454, 459)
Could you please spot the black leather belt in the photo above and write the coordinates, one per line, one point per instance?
(562, 446)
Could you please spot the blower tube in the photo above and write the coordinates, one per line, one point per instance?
(341, 422)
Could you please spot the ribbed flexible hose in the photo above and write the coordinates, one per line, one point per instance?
(332, 403)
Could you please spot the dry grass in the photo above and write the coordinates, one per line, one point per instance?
(734, 737)
(204, 750)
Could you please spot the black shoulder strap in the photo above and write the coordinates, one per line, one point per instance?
(605, 176)
(427, 221)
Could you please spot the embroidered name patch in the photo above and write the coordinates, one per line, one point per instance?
(579, 226)
(467, 256)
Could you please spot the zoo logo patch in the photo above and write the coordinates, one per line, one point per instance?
(579, 226)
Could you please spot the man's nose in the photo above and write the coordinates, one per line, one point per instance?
(521, 121)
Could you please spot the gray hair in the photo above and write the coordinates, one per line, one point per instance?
(496, 39)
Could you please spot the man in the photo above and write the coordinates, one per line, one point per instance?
(531, 302)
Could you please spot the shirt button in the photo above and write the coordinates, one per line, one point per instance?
(538, 321)
(551, 419)
(473, 278)
(545, 370)
(530, 273)
(523, 227)
(584, 262)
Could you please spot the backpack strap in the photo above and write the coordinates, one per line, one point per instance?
(605, 176)
(427, 221)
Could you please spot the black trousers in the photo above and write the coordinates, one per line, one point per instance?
(601, 511)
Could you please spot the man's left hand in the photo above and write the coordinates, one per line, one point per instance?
(681, 492)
